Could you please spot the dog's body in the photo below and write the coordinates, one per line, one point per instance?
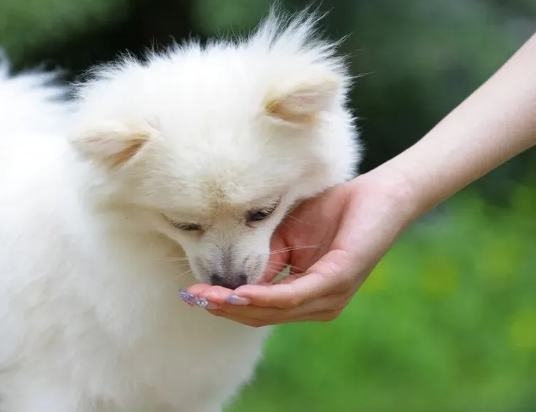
(96, 219)
(78, 334)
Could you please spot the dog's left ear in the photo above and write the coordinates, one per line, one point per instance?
(302, 101)
(112, 144)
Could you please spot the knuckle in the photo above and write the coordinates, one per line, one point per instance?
(340, 308)
(335, 266)
(291, 301)
(295, 301)
(346, 283)
(264, 301)
(216, 312)
(255, 323)
(341, 304)
(331, 315)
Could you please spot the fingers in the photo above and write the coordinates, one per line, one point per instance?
(320, 310)
(319, 295)
(257, 323)
(279, 258)
(330, 274)
(198, 289)
(214, 294)
(317, 310)
(284, 295)
(218, 294)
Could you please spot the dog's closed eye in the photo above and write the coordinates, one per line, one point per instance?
(187, 227)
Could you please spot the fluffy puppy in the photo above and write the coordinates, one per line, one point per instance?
(172, 171)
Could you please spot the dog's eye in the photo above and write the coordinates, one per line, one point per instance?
(188, 227)
(259, 215)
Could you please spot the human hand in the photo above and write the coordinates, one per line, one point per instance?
(334, 241)
(331, 244)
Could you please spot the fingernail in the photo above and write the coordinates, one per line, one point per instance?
(191, 300)
(202, 302)
(237, 300)
(187, 298)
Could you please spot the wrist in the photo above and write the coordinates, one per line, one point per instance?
(396, 192)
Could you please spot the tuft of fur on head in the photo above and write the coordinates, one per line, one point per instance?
(216, 143)
(30, 102)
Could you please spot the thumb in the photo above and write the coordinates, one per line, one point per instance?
(279, 258)
(324, 277)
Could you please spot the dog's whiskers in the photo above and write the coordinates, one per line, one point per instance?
(293, 248)
(282, 265)
(282, 269)
(290, 216)
(183, 274)
(175, 259)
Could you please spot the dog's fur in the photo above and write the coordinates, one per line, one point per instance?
(96, 215)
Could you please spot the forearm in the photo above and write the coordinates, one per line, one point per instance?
(497, 122)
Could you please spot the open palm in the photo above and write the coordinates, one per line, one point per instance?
(331, 243)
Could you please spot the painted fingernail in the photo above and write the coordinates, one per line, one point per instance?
(186, 297)
(191, 300)
(237, 300)
(202, 302)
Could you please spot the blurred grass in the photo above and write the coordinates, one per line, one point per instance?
(447, 322)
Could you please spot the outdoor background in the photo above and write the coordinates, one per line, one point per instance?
(447, 322)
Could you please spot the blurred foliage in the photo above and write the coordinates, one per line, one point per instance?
(447, 322)
(420, 58)
(37, 23)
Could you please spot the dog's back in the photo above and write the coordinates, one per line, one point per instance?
(30, 102)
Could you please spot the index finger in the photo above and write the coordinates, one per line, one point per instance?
(285, 295)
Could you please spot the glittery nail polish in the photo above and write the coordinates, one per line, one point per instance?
(187, 298)
(237, 300)
(191, 300)
(202, 302)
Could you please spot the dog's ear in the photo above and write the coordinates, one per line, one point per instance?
(300, 102)
(112, 144)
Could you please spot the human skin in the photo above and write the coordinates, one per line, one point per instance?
(356, 223)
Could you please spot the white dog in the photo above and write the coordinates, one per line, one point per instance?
(171, 171)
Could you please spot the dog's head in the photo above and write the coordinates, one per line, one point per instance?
(216, 144)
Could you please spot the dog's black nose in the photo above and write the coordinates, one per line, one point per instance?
(231, 282)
